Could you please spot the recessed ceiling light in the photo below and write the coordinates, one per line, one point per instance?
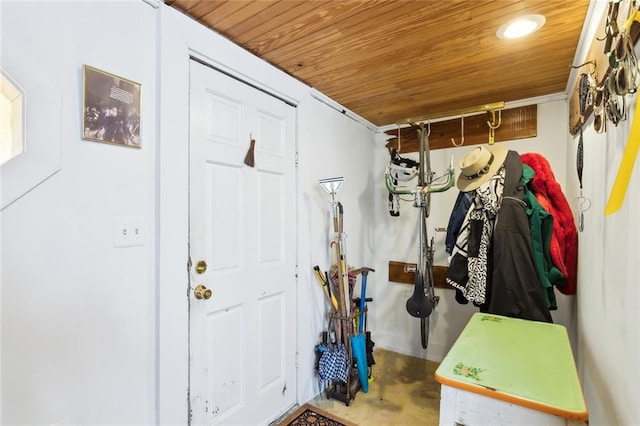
(520, 27)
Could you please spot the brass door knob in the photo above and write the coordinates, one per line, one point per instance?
(201, 292)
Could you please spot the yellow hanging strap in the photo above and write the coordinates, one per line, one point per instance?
(619, 189)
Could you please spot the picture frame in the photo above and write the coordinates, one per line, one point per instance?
(111, 108)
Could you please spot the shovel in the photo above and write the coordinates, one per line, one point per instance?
(358, 342)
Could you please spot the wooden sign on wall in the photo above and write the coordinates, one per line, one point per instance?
(398, 273)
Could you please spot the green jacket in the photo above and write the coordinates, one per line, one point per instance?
(541, 224)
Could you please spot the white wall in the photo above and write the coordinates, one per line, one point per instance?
(330, 145)
(608, 269)
(396, 239)
(78, 314)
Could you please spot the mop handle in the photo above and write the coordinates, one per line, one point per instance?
(363, 291)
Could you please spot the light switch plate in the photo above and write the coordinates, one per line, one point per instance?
(128, 231)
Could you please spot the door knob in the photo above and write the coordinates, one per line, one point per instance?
(201, 292)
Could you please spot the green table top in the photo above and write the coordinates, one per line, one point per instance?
(528, 363)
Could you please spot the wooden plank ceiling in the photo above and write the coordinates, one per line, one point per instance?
(389, 60)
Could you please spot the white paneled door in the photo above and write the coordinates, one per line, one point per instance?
(242, 338)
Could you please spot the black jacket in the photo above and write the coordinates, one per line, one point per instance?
(513, 289)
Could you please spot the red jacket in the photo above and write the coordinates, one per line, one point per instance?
(564, 239)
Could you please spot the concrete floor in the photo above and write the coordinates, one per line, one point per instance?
(403, 392)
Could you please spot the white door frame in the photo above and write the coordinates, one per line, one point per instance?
(181, 38)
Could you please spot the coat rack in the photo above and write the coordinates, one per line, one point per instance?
(495, 125)
(464, 111)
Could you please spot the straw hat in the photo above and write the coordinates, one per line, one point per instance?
(479, 165)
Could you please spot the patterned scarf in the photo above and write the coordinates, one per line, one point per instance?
(486, 205)
(474, 239)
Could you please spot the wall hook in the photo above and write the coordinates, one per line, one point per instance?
(461, 131)
(428, 128)
(493, 125)
(593, 63)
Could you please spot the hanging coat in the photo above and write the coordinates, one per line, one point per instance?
(514, 289)
(460, 209)
(541, 226)
(454, 228)
(563, 247)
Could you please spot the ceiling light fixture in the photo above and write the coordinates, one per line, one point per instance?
(520, 27)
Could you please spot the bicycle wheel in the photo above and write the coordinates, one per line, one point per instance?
(430, 296)
(430, 283)
(425, 255)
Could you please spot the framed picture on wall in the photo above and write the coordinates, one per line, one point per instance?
(111, 108)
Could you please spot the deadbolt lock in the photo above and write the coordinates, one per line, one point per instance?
(201, 292)
(201, 267)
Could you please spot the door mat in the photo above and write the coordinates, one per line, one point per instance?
(309, 415)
